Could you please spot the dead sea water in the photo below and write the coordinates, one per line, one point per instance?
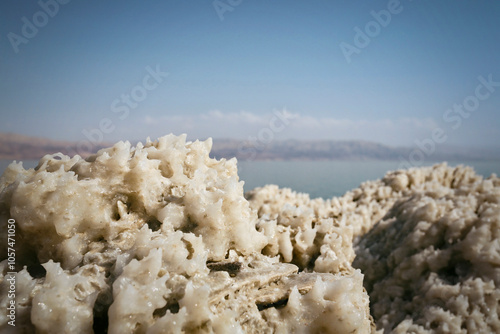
(330, 178)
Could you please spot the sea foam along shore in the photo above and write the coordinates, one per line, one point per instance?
(159, 237)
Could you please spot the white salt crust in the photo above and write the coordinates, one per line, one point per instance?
(432, 263)
(426, 239)
(159, 238)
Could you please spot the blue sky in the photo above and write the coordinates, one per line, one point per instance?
(232, 68)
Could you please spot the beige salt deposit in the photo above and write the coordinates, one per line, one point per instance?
(432, 263)
(427, 241)
(159, 238)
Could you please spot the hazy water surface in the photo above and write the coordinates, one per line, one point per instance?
(317, 178)
(328, 178)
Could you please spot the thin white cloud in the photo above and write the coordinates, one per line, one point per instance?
(243, 124)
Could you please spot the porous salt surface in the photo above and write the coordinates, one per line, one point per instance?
(432, 263)
(427, 241)
(159, 238)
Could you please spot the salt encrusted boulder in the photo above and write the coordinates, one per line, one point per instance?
(77, 203)
(432, 264)
(159, 238)
(426, 239)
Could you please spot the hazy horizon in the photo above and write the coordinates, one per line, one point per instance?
(393, 72)
(132, 140)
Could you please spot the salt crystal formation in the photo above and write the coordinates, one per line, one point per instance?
(432, 263)
(426, 239)
(159, 238)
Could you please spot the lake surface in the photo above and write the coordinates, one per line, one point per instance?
(329, 178)
(317, 178)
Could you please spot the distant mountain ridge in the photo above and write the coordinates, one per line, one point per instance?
(20, 147)
(343, 150)
(305, 150)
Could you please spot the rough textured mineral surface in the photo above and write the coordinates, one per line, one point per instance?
(299, 234)
(432, 264)
(159, 238)
(426, 239)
